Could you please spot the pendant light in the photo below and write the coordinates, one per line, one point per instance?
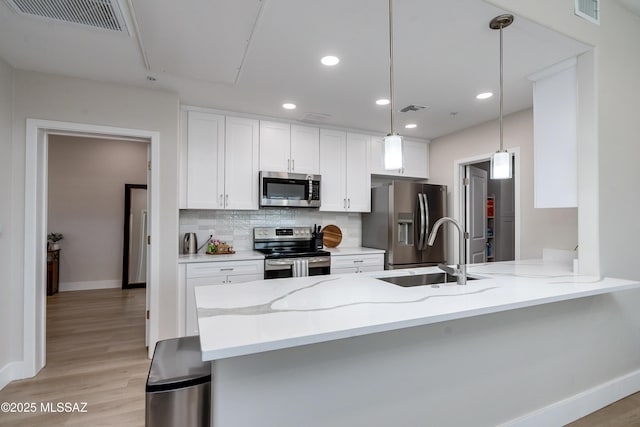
(501, 159)
(393, 141)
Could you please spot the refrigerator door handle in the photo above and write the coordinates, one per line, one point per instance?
(422, 227)
(426, 219)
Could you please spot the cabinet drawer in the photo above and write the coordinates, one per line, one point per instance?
(224, 268)
(338, 262)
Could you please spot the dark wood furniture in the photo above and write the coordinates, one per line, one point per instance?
(53, 271)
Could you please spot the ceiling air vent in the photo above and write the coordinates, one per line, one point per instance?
(315, 117)
(589, 10)
(103, 14)
(412, 108)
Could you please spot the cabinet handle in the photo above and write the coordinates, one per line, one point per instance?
(226, 200)
(348, 203)
(355, 261)
(227, 269)
(293, 165)
(221, 203)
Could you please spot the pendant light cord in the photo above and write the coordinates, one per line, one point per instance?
(391, 63)
(501, 97)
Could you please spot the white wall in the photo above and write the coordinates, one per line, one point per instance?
(540, 228)
(86, 203)
(50, 97)
(8, 288)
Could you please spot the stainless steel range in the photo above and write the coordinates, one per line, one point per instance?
(291, 252)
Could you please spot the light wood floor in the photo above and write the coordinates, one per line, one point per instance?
(95, 354)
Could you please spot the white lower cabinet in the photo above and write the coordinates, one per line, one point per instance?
(222, 273)
(342, 264)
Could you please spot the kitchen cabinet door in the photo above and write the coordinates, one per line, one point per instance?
(415, 158)
(333, 165)
(305, 149)
(205, 160)
(275, 144)
(358, 173)
(241, 164)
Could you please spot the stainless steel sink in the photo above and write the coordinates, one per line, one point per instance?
(422, 279)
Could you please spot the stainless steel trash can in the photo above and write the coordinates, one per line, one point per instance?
(178, 391)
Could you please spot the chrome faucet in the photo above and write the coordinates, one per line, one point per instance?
(461, 271)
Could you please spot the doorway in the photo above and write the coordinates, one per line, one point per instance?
(36, 194)
(489, 215)
(489, 209)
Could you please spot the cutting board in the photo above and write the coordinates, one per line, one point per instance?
(331, 236)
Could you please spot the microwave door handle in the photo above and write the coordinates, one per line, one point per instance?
(310, 192)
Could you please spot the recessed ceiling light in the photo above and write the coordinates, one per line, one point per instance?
(484, 95)
(382, 101)
(289, 106)
(410, 125)
(330, 61)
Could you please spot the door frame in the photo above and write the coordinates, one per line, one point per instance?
(459, 193)
(35, 233)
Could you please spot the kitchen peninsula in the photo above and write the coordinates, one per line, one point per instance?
(353, 350)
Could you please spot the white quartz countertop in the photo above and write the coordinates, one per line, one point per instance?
(265, 315)
(238, 256)
(354, 251)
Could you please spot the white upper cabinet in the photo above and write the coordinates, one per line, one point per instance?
(415, 157)
(241, 164)
(275, 143)
(555, 136)
(333, 168)
(305, 149)
(289, 148)
(344, 166)
(204, 152)
(358, 173)
(221, 162)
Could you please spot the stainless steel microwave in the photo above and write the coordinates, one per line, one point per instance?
(293, 190)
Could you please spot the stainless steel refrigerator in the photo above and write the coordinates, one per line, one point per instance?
(402, 216)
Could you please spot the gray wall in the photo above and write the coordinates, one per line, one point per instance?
(86, 203)
(9, 287)
(540, 228)
(615, 122)
(50, 97)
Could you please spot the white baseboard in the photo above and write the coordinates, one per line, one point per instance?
(581, 404)
(91, 285)
(10, 372)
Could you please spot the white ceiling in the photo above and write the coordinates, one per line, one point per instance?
(252, 55)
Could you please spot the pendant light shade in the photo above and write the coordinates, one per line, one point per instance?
(393, 151)
(501, 160)
(393, 141)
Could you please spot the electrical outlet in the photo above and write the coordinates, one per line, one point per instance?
(212, 232)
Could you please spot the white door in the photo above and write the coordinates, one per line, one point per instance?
(275, 143)
(205, 142)
(476, 214)
(358, 175)
(305, 149)
(148, 259)
(333, 148)
(241, 164)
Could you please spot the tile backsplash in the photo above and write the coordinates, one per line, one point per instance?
(236, 227)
